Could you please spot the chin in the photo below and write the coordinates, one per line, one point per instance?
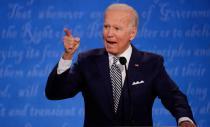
(111, 51)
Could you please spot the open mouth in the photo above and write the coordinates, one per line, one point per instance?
(111, 42)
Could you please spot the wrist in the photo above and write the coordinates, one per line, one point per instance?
(67, 56)
(186, 124)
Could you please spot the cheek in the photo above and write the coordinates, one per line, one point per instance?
(124, 38)
(104, 34)
(124, 41)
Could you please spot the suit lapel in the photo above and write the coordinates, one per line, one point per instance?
(135, 66)
(103, 67)
(134, 74)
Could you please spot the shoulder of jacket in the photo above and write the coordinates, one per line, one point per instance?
(149, 56)
(92, 53)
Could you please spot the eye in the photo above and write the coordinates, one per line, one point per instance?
(117, 28)
(106, 26)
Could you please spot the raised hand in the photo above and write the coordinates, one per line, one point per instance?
(71, 44)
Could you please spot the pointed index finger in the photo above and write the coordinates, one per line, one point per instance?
(67, 31)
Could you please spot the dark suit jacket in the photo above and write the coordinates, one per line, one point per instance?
(90, 75)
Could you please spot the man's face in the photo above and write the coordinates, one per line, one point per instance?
(117, 31)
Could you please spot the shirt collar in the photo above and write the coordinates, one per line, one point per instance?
(126, 54)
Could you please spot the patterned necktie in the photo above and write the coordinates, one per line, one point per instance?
(116, 78)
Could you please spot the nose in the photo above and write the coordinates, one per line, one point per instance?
(110, 32)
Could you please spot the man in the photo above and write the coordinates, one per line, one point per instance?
(113, 95)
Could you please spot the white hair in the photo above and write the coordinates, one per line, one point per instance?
(134, 15)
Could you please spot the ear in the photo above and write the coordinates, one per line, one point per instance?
(133, 33)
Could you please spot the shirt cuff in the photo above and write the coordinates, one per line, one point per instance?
(63, 65)
(184, 119)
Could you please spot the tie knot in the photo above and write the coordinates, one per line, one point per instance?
(115, 59)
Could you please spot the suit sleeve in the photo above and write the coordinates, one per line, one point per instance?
(171, 97)
(65, 85)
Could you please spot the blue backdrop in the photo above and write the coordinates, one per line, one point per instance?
(31, 34)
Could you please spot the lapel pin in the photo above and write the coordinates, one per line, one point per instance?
(136, 65)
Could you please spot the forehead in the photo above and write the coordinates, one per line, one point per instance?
(118, 16)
